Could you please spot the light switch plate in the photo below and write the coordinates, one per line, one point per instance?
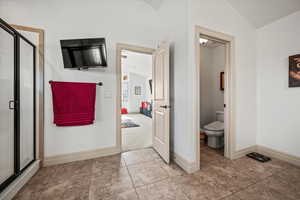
(107, 94)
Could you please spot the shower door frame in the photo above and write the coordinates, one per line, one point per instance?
(17, 143)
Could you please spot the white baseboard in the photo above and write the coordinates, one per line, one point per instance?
(134, 148)
(268, 152)
(279, 155)
(184, 164)
(15, 186)
(243, 152)
(71, 157)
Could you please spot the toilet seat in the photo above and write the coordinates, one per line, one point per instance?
(215, 126)
(214, 133)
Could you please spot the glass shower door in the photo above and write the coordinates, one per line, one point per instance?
(17, 104)
(7, 105)
(27, 102)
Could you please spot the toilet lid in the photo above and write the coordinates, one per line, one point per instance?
(215, 126)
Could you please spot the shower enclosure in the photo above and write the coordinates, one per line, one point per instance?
(17, 104)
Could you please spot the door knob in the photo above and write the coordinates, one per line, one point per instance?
(165, 106)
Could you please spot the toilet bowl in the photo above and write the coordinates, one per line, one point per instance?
(215, 131)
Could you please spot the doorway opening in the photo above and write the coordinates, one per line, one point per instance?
(134, 97)
(136, 100)
(214, 96)
(212, 67)
(151, 103)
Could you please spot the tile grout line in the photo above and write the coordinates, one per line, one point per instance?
(233, 193)
(152, 161)
(132, 183)
(257, 180)
(151, 183)
(243, 189)
(129, 165)
(90, 180)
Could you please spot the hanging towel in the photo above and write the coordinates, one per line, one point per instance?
(73, 103)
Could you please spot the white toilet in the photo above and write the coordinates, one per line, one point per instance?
(215, 131)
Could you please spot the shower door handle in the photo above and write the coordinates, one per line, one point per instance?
(12, 104)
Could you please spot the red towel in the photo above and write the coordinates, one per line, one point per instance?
(73, 103)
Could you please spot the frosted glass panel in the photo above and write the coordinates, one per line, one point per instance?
(26, 104)
(6, 114)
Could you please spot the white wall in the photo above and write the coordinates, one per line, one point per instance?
(135, 22)
(211, 97)
(219, 59)
(219, 16)
(278, 108)
(138, 63)
(138, 68)
(136, 80)
(130, 21)
(206, 92)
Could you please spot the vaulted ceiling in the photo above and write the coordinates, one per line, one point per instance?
(262, 12)
(154, 3)
(258, 12)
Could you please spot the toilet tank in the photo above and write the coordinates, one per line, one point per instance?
(220, 116)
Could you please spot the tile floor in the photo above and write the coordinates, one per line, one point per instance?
(142, 175)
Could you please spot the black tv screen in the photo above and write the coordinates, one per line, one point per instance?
(84, 53)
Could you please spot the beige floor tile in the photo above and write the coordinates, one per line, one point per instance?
(109, 193)
(110, 178)
(108, 162)
(166, 190)
(147, 173)
(290, 175)
(286, 188)
(107, 166)
(29, 192)
(172, 169)
(261, 192)
(195, 188)
(74, 169)
(226, 177)
(232, 197)
(142, 172)
(67, 190)
(139, 156)
(256, 170)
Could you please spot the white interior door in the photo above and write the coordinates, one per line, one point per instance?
(161, 101)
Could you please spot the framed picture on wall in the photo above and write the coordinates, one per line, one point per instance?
(222, 81)
(294, 71)
(150, 84)
(137, 90)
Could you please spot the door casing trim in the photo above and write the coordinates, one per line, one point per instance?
(39, 88)
(229, 92)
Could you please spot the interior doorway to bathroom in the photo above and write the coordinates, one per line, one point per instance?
(212, 67)
(214, 99)
(136, 100)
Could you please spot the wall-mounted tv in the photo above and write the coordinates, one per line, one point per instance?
(84, 53)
